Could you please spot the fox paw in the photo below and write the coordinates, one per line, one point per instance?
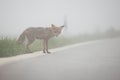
(48, 52)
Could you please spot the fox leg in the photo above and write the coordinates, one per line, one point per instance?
(30, 41)
(44, 46)
(46, 43)
(27, 48)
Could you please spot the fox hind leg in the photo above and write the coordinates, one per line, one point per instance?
(46, 43)
(30, 41)
(44, 47)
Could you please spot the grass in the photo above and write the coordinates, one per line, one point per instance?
(9, 47)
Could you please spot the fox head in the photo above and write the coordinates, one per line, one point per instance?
(56, 29)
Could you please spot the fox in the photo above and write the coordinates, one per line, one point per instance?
(42, 33)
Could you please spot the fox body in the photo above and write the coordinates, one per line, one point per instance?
(45, 34)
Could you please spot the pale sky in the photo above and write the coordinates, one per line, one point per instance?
(82, 15)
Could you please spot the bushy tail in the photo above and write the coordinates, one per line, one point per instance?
(21, 39)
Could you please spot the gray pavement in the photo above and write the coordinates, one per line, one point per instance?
(94, 61)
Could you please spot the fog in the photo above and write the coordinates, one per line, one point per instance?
(83, 16)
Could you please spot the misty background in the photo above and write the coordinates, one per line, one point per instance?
(83, 16)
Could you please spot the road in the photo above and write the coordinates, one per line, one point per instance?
(99, 60)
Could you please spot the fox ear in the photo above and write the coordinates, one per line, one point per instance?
(52, 25)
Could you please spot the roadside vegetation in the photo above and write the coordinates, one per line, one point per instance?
(9, 47)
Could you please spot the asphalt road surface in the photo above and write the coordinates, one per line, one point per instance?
(94, 61)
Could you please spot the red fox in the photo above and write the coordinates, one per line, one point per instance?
(45, 34)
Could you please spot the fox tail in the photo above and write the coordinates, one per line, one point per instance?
(21, 38)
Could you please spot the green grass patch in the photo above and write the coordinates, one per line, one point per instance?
(9, 47)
